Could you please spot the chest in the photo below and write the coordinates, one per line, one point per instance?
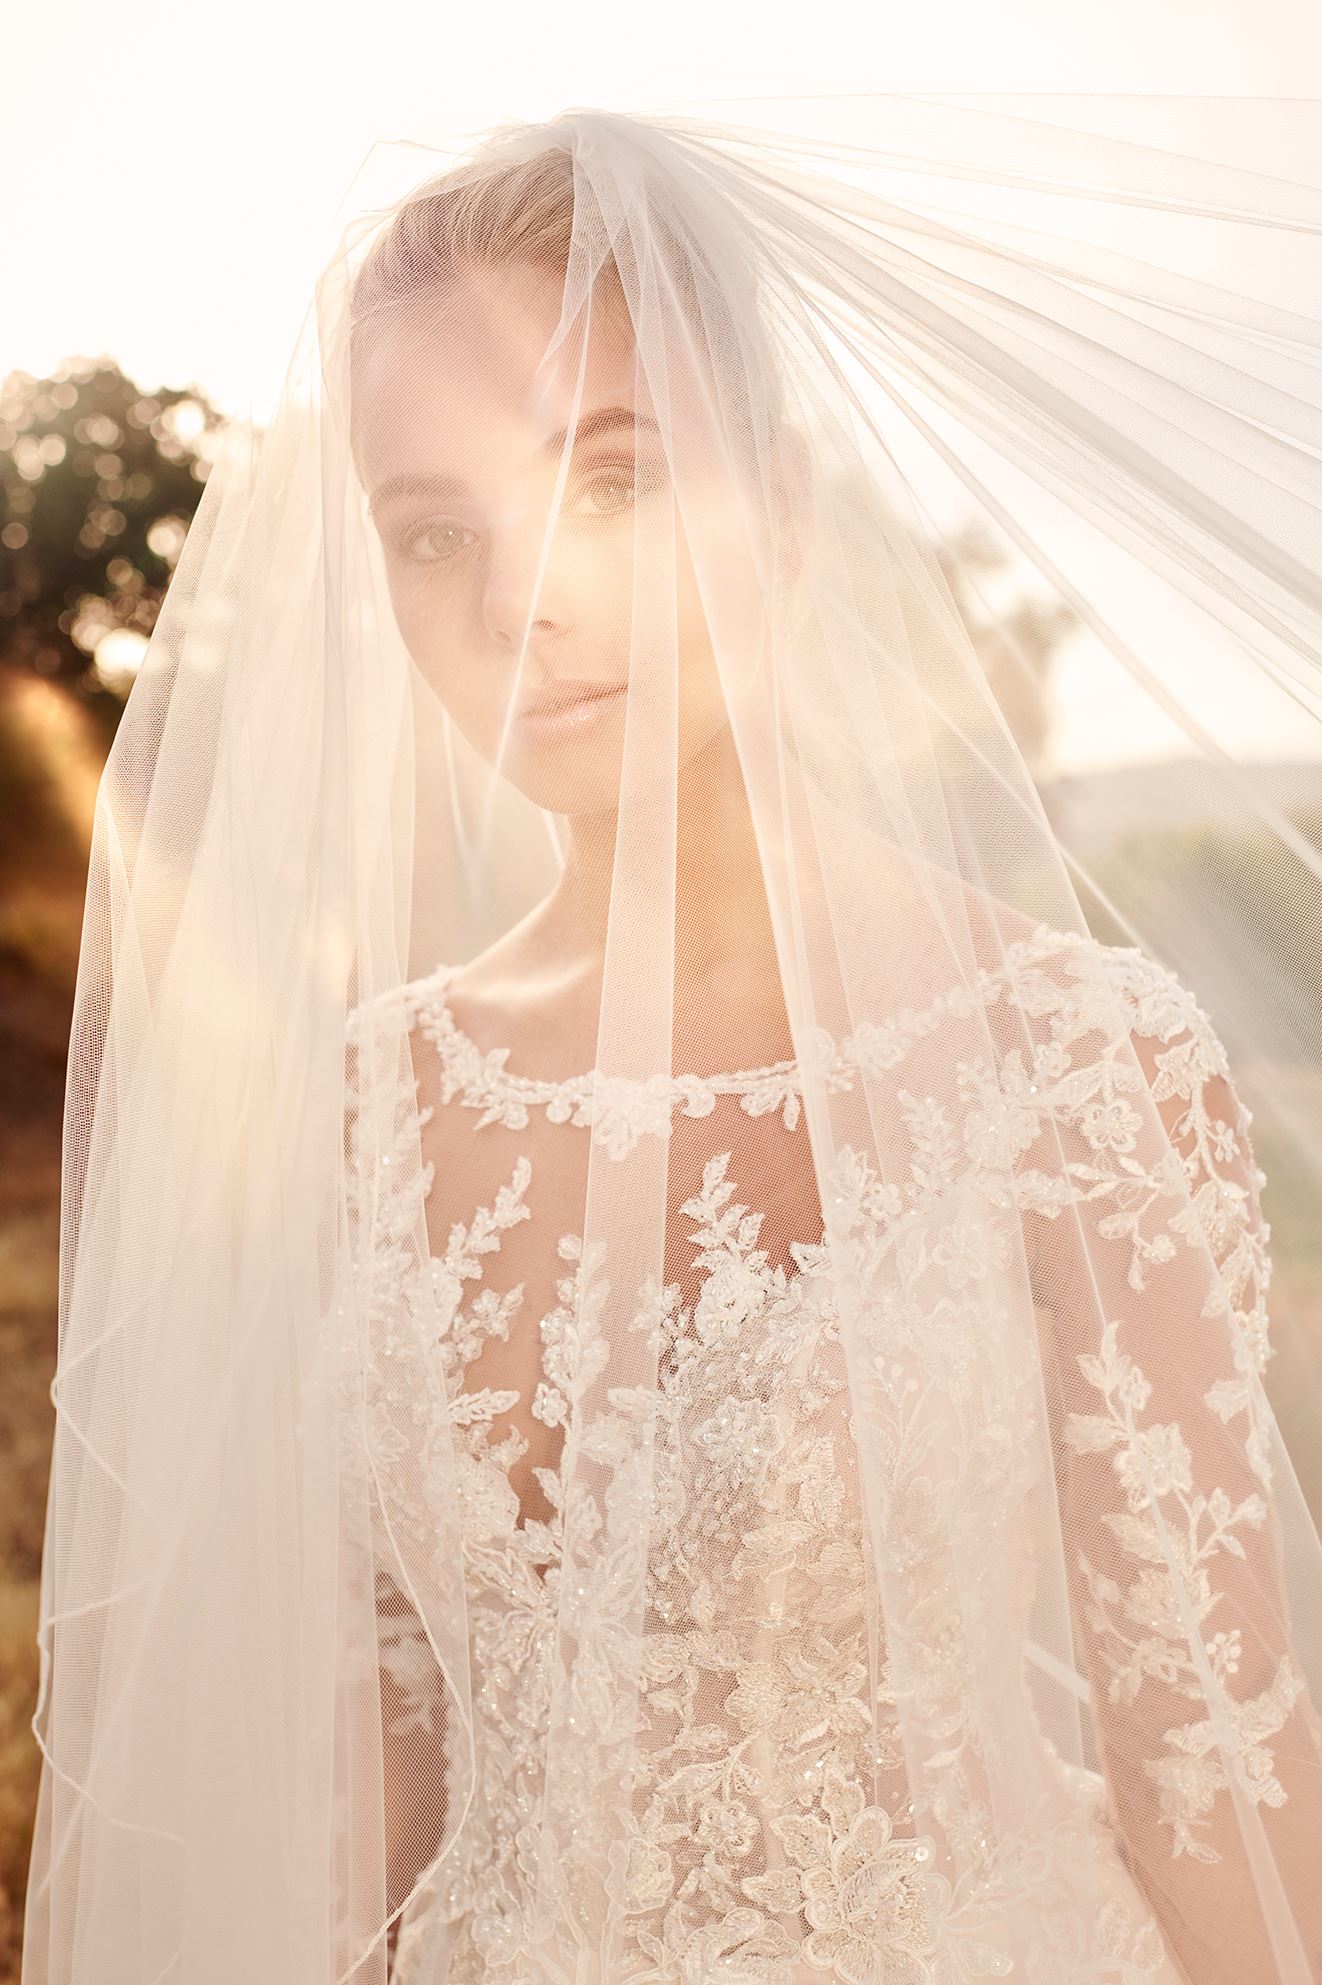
(729, 1200)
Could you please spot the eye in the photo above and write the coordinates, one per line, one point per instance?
(434, 541)
(611, 487)
(608, 489)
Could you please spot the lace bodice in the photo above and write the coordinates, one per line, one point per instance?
(778, 1833)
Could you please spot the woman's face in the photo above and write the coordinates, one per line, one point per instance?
(538, 643)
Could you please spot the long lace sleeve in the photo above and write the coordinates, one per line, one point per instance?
(1169, 1470)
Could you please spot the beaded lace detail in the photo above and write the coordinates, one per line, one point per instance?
(619, 1110)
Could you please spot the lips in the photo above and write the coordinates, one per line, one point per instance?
(573, 706)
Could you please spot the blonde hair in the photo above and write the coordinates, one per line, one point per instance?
(499, 206)
(516, 199)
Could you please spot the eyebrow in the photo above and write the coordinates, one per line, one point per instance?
(602, 420)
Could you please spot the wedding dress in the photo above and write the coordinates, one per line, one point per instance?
(772, 1835)
(664, 1318)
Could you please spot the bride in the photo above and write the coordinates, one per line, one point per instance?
(662, 1359)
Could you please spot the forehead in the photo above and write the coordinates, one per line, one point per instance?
(478, 375)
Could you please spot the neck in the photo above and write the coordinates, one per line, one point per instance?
(721, 917)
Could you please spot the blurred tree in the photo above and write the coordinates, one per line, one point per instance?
(98, 482)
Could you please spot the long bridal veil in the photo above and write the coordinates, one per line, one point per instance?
(896, 525)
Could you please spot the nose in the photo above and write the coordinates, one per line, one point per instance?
(518, 597)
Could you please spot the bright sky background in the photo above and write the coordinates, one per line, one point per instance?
(173, 174)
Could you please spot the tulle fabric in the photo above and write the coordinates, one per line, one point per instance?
(1001, 1153)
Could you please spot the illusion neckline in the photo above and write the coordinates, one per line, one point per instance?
(619, 1110)
(436, 986)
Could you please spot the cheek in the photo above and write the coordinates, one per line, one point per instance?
(440, 628)
(699, 678)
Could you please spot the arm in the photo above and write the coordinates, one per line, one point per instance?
(1153, 1289)
(414, 1728)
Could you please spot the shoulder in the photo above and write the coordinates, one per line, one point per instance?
(1114, 997)
(1117, 1007)
(393, 1010)
(1143, 1094)
(960, 952)
(1083, 1034)
(995, 977)
(1113, 986)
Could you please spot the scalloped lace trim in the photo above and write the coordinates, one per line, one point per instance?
(621, 1109)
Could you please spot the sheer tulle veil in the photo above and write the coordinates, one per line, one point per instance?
(830, 595)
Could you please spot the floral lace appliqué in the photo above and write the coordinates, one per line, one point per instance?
(776, 1830)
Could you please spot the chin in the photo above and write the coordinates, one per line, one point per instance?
(565, 777)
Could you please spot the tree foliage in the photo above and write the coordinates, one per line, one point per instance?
(98, 482)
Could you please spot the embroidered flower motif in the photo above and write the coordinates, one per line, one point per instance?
(1157, 1464)
(871, 1898)
(1111, 1124)
(760, 1697)
(963, 1251)
(740, 1946)
(650, 1880)
(740, 1437)
(1004, 1119)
